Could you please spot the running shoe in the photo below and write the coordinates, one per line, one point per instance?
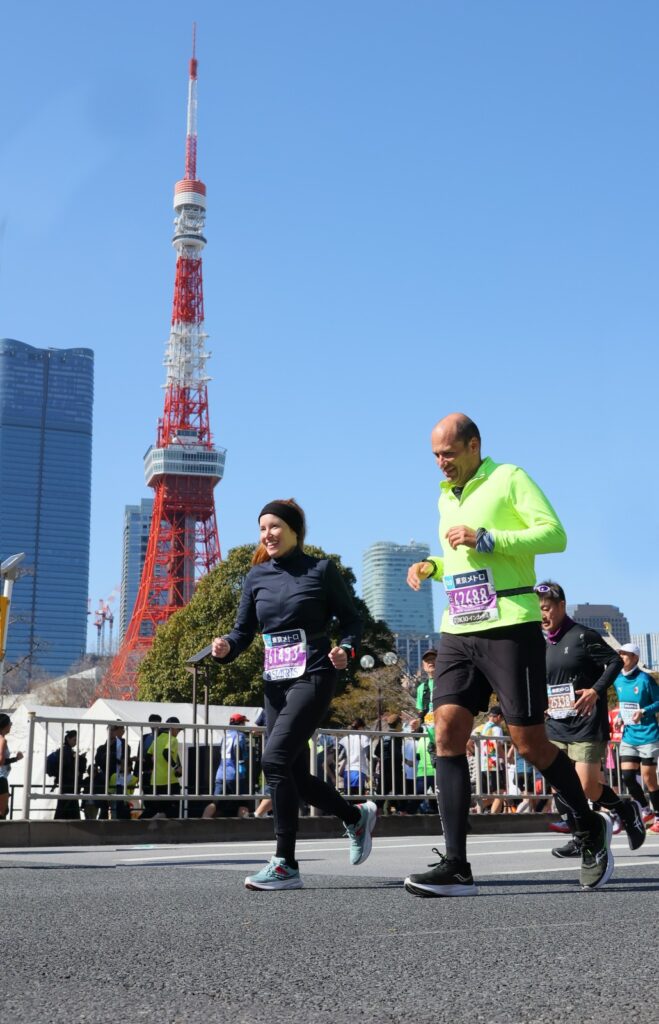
(632, 819)
(648, 816)
(571, 849)
(654, 828)
(446, 878)
(275, 875)
(560, 826)
(596, 855)
(360, 834)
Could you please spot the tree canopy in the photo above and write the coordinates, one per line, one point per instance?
(212, 612)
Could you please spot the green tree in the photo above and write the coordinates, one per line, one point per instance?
(212, 612)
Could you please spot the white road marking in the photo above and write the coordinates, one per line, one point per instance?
(242, 850)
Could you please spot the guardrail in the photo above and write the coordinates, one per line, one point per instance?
(393, 768)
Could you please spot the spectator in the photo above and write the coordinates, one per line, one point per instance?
(493, 771)
(5, 761)
(354, 747)
(409, 770)
(265, 806)
(232, 776)
(67, 808)
(425, 763)
(425, 688)
(388, 754)
(167, 769)
(112, 772)
(144, 765)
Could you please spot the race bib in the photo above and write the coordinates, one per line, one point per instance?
(471, 597)
(627, 709)
(560, 698)
(285, 655)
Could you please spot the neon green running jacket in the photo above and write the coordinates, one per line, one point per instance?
(504, 500)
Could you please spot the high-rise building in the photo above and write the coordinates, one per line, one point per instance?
(602, 617)
(649, 644)
(408, 614)
(137, 521)
(46, 399)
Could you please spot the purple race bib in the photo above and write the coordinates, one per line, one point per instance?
(471, 597)
(285, 655)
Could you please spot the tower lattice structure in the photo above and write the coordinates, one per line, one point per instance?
(184, 466)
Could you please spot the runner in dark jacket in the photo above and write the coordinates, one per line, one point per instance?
(291, 598)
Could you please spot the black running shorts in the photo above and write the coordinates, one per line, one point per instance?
(509, 661)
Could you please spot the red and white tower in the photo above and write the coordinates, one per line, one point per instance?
(184, 465)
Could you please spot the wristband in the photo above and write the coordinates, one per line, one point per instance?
(484, 541)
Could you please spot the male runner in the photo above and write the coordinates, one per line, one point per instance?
(493, 521)
(580, 668)
(638, 696)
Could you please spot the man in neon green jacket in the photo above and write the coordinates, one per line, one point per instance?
(494, 520)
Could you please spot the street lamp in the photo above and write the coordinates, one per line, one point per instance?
(367, 662)
(9, 572)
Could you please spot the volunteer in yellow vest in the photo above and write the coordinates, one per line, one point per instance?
(425, 760)
(167, 770)
(424, 689)
(494, 520)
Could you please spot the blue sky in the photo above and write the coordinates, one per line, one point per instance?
(414, 208)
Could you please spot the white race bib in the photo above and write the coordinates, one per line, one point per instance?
(627, 709)
(560, 700)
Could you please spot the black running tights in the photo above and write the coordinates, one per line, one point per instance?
(293, 711)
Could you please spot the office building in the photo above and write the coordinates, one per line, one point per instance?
(137, 522)
(46, 399)
(596, 615)
(649, 645)
(408, 614)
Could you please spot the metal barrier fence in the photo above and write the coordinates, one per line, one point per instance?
(179, 769)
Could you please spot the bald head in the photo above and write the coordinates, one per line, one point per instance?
(456, 445)
(457, 427)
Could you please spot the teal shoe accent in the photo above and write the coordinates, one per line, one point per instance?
(275, 875)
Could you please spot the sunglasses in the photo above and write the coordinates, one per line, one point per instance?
(549, 588)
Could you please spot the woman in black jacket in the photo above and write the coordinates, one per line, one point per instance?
(291, 598)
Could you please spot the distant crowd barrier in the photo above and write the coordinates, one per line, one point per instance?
(208, 764)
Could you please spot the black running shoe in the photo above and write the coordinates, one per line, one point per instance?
(446, 878)
(596, 855)
(571, 849)
(632, 820)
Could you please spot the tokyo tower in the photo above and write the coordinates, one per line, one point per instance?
(184, 466)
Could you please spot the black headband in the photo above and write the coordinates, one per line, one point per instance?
(287, 512)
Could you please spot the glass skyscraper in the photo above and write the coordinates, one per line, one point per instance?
(137, 520)
(46, 399)
(408, 614)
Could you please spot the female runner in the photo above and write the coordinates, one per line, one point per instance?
(290, 598)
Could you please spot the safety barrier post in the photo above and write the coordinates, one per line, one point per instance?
(27, 775)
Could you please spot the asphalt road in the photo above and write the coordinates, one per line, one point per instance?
(169, 935)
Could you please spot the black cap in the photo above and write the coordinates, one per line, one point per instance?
(430, 653)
